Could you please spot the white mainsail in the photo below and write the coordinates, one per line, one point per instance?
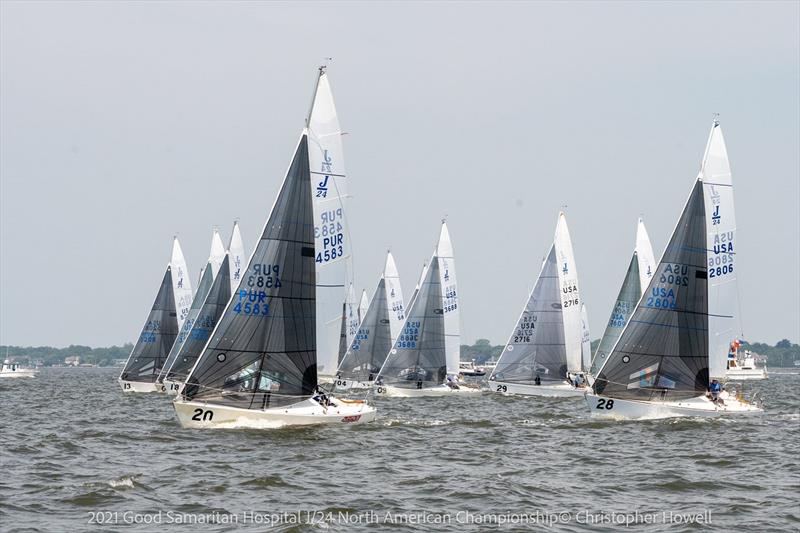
(363, 305)
(644, 255)
(237, 256)
(723, 297)
(394, 297)
(181, 285)
(217, 253)
(447, 272)
(333, 258)
(570, 296)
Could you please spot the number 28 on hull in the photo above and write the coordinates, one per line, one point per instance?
(604, 407)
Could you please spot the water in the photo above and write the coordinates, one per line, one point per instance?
(73, 444)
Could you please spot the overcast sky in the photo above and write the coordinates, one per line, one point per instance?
(124, 123)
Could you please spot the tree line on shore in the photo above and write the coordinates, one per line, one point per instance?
(783, 354)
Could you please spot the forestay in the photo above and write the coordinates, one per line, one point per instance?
(262, 351)
(331, 235)
(663, 351)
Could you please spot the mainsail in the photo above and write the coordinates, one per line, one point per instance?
(723, 296)
(237, 260)
(262, 352)
(418, 358)
(363, 305)
(570, 296)
(157, 336)
(586, 339)
(333, 259)
(378, 330)
(640, 271)
(663, 351)
(214, 303)
(447, 271)
(181, 285)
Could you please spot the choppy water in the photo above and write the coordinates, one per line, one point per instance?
(73, 445)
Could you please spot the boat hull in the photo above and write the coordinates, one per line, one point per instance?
(172, 387)
(605, 407)
(200, 415)
(138, 386)
(19, 374)
(558, 390)
(388, 391)
(746, 374)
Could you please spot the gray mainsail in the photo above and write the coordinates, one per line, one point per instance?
(157, 336)
(418, 358)
(628, 297)
(214, 303)
(536, 346)
(263, 351)
(663, 351)
(206, 280)
(372, 342)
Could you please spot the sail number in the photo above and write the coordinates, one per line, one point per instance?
(265, 276)
(201, 415)
(602, 403)
(410, 335)
(570, 290)
(329, 235)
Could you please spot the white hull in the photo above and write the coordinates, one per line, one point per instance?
(308, 412)
(351, 384)
(558, 390)
(746, 373)
(604, 407)
(26, 373)
(388, 391)
(172, 387)
(138, 386)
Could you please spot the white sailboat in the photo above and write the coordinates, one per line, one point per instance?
(545, 351)
(423, 360)
(676, 340)
(259, 366)
(637, 278)
(167, 315)
(376, 334)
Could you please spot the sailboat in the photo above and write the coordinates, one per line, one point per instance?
(167, 315)
(545, 350)
(676, 340)
(637, 278)
(214, 301)
(423, 360)
(259, 366)
(376, 333)
(207, 275)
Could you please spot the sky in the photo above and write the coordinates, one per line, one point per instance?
(125, 123)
